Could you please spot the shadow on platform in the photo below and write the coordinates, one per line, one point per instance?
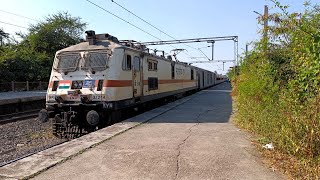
(213, 105)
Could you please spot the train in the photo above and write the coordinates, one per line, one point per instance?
(92, 82)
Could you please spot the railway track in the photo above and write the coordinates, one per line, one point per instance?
(22, 135)
(8, 118)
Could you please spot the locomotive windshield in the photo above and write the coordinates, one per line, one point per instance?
(93, 61)
(96, 61)
(67, 62)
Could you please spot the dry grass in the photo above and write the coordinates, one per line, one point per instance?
(289, 165)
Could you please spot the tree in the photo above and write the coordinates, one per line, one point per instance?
(55, 32)
(32, 58)
(3, 36)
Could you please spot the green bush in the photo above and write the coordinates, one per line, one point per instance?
(31, 59)
(277, 89)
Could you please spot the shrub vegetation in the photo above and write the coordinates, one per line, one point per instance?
(31, 58)
(277, 89)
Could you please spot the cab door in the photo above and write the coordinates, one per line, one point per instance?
(137, 77)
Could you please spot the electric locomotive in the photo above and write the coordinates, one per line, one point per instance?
(93, 81)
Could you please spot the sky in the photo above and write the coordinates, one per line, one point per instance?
(181, 19)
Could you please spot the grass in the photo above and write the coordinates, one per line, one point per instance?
(293, 166)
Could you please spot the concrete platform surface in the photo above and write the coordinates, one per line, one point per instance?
(41, 161)
(194, 140)
(15, 97)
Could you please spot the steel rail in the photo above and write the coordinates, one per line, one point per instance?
(13, 117)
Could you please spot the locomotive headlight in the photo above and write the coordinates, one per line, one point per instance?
(58, 99)
(51, 97)
(76, 84)
(84, 99)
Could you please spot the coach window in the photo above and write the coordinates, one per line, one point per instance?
(152, 65)
(126, 64)
(192, 74)
(172, 71)
(155, 66)
(152, 83)
(149, 65)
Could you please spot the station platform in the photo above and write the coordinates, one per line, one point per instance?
(192, 138)
(13, 97)
(15, 102)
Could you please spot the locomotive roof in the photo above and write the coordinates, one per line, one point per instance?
(107, 44)
(84, 46)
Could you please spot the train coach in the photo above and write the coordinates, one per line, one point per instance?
(91, 82)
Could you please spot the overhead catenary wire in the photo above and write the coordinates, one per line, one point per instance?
(204, 54)
(122, 19)
(13, 24)
(18, 15)
(129, 22)
(204, 47)
(149, 23)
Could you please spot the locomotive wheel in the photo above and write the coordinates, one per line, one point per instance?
(93, 118)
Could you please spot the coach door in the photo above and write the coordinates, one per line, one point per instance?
(137, 74)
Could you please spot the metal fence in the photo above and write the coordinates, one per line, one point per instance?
(23, 86)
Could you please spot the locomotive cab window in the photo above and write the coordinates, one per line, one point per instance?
(96, 61)
(136, 63)
(66, 62)
(126, 64)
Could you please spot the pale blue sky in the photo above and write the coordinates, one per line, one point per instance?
(180, 19)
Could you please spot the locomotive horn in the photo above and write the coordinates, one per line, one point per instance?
(91, 37)
(93, 118)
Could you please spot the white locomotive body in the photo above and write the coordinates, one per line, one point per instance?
(92, 80)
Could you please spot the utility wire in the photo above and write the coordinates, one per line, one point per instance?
(204, 54)
(204, 47)
(128, 22)
(150, 23)
(18, 15)
(13, 24)
(122, 19)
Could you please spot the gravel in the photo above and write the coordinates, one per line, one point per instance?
(25, 137)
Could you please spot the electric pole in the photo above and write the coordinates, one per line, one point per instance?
(247, 50)
(265, 24)
(212, 45)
